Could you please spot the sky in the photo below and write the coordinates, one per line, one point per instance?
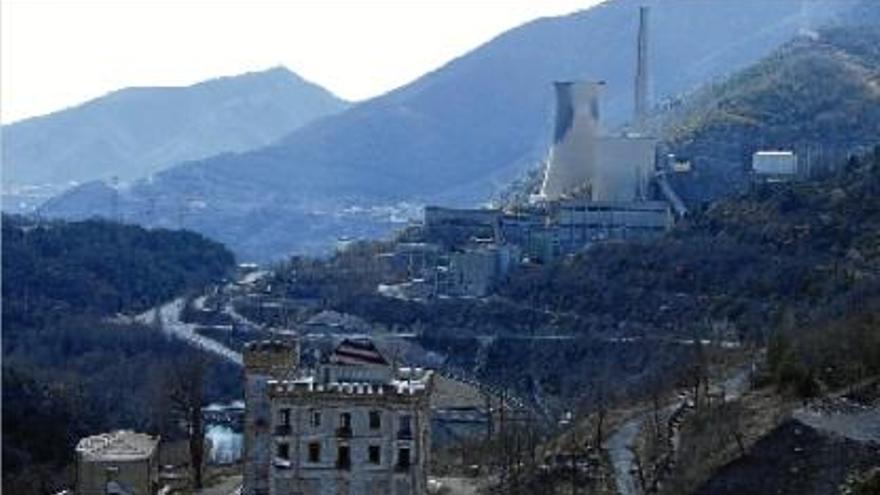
(58, 53)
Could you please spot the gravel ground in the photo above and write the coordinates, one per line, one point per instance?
(794, 459)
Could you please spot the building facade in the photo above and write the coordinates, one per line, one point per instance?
(355, 424)
(119, 463)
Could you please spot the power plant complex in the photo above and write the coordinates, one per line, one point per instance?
(585, 163)
(596, 187)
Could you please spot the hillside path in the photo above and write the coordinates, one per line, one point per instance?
(622, 441)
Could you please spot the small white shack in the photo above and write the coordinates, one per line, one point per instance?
(774, 166)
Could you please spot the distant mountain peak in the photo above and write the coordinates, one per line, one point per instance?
(137, 131)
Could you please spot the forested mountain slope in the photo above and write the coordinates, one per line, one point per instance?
(818, 95)
(68, 370)
(781, 256)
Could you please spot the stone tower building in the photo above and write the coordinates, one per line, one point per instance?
(263, 361)
(354, 425)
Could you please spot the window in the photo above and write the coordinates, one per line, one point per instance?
(405, 430)
(284, 417)
(375, 454)
(344, 429)
(343, 457)
(375, 420)
(282, 450)
(403, 458)
(316, 419)
(315, 452)
(282, 426)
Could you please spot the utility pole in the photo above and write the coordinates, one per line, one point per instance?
(114, 202)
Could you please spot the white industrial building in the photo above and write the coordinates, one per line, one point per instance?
(774, 166)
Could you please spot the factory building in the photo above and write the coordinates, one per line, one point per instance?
(579, 223)
(409, 260)
(474, 271)
(457, 226)
(469, 268)
(596, 187)
(354, 424)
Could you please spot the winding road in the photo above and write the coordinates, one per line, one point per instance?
(619, 447)
(170, 322)
(620, 444)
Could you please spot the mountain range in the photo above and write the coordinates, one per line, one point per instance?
(135, 132)
(453, 136)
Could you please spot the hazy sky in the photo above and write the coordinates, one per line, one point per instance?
(58, 53)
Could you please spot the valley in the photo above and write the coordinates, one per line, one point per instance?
(670, 284)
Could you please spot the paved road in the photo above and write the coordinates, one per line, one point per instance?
(169, 315)
(229, 486)
(239, 319)
(619, 448)
(461, 486)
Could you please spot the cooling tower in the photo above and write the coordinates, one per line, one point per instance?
(573, 156)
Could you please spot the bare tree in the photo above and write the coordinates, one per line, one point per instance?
(601, 398)
(185, 383)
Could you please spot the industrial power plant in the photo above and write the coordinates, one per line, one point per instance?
(585, 163)
(597, 186)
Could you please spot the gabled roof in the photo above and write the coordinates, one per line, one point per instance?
(359, 351)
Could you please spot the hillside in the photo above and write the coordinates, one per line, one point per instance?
(818, 95)
(68, 370)
(457, 134)
(135, 132)
(99, 267)
(790, 258)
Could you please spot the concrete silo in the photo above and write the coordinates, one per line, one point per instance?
(574, 154)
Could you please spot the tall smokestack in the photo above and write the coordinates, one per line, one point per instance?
(572, 162)
(641, 103)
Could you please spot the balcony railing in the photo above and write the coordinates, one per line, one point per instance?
(282, 430)
(405, 434)
(343, 432)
